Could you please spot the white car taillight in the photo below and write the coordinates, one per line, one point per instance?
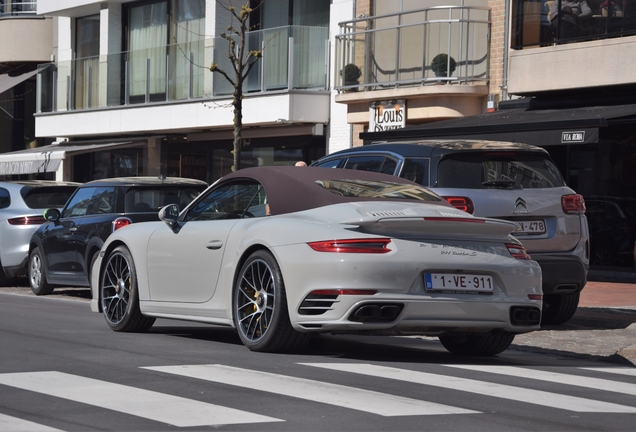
(517, 251)
(27, 220)
(461, 203)
(573, 204)
(374, 245)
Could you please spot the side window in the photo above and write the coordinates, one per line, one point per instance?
(388, 166)
(365, 163)
(334, 163)
(102, 201)
(78, 205)
(416, 170)
(5, 198)
(228, 201)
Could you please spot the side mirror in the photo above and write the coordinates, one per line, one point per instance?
(170, 215)
(52, 215)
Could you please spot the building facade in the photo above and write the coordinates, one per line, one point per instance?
(567, 84)
(129, 90)
(26, 42)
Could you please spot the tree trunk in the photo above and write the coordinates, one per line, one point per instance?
(238, 127)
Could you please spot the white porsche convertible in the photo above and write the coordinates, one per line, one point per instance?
(280, 253)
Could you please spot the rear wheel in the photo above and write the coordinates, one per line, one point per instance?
(260, 307)
(37, 279)
(119, 294)
(477, 344)
(559, 308)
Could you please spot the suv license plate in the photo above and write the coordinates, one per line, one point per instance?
(458, 282)
(535, 227)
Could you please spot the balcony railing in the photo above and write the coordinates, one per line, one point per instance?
(10, 8)
(397, 50)
(294, 57)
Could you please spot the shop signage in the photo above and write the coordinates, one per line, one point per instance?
(387, 115)
(572, 137)
(28, 167)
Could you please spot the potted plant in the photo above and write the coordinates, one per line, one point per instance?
(443, 64)
(351, 75)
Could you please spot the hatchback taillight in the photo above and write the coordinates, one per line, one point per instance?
(573, 204)
(517, 251)
(461, 203)
(27, 220)
(120, 223)
(375, 245)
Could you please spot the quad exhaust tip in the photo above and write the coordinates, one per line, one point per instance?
(376, 312)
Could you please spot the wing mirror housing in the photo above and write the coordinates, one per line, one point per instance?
(170, 215)
(52, 215)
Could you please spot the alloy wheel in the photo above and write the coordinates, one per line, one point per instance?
(116, 288)
(255, 304)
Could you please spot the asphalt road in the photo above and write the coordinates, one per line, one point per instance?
(62, 368)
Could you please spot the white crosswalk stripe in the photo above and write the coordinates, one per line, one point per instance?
(333, 394)
(151, 405)
(619, 371)
(559, 378)
(520, 394)
(13, 424)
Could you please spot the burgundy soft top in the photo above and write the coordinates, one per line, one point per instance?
(291, 189)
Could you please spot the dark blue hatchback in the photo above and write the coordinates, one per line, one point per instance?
(62, 250)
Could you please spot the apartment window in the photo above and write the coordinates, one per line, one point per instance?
(537, 23)
(86, 62)
(165, 57)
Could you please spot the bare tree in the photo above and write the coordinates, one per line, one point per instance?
(242, 61)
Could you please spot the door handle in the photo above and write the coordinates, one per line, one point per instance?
(214, 245)
(73, 229)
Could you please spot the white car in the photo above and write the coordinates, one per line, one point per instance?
(280, 253)
(22, 204)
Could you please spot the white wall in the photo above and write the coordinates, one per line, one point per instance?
(339, 132)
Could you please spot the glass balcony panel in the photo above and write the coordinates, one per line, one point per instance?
(276, 58)
(86, 85)
(411, 54)
(310, 57)
(384, 56)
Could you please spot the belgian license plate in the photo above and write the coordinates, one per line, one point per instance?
(458, 282)
(535, 227)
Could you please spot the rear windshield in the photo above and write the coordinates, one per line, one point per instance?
(139, 200)
(47, 197)
(505, 170)
(374, 189)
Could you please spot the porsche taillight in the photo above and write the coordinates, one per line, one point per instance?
(338, 292)
(461, 203)
(517, 251)
(375, 245)
(120, 223)
(27, 220)
(573, 204)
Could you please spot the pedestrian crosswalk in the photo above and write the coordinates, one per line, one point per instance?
(180, 411)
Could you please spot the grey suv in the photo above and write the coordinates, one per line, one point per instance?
(503, 180)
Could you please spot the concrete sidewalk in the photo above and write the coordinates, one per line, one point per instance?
(603, 328)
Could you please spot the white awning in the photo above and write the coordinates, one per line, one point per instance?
(7, 82)
(48, 158)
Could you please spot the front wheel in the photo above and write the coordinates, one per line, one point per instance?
(260, 307)
(119, 294)
(477, 344)
(37, 279)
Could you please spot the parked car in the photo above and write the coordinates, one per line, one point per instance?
(280, 253)
(612, 223)
(62, 250)
(510, 181)
(22, 204)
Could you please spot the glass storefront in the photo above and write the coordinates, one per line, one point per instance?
(605, 174)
